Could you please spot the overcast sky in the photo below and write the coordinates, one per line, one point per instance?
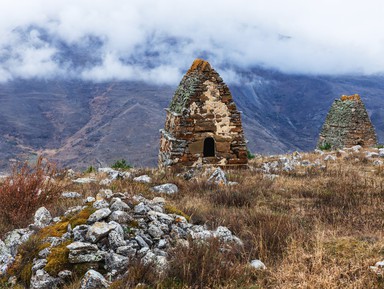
(157, 40)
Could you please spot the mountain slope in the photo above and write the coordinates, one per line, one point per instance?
(82, 123)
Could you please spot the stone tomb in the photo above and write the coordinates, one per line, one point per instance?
(203, 125)
(347, 124)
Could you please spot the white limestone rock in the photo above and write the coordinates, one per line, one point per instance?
(99, 230)
(218, 177)
(84, 180)
(42, 217)
(71, 195)
(258, 265)
(99, 215)
(166, 189)
(93, 280)
(119, 205)
(143, 179)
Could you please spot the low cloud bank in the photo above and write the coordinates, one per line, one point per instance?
(156, 41)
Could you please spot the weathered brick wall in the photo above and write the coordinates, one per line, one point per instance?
(202, 107)
(347, 124)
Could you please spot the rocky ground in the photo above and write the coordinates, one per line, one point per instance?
(289, 221)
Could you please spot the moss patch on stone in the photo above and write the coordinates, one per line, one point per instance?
(22, 267)
(57, 260)
(183, 93)
(173, 210)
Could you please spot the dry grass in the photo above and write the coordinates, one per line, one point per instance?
(314, 227)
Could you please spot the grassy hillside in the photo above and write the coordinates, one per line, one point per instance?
(315, 220)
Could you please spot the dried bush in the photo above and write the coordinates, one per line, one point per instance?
(25, 190)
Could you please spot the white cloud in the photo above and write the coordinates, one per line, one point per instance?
(156, 40)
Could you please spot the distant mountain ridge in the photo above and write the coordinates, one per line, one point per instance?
(80, 123)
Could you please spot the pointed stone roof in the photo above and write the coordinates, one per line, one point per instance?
(193, 83)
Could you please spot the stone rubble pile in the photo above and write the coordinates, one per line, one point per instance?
(122, 228)
(288, 163)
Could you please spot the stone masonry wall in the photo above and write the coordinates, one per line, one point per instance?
(347, 124)
(202, 107)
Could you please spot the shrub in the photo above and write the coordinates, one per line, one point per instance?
(325, 146)
(25, 190)
(90, 170)
(121, 164)
(250, 156)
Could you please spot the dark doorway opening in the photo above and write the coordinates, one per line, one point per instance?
(209, 147)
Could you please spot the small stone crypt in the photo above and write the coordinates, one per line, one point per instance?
(203, 125)
(347, 124)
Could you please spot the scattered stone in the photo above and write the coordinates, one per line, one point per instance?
(70, 173)
(218, 177)
(155, 232)
(143, 179)
(73, 210)
(270, 176)
(144, 233)
(70, 195)
(356, 148)
(99, 230)
(15, 238)
(166, 189)
(38, 264)
(141, 208)
(105, 182)
(119, 205)
(120, 217)
(372, 155)
(99, 215)
(100, 204)
(42, 280)
(104, 194)
(65, 275)
(257, 264)
(80, 232)
(158, 200)
(329, 158)
(90, 200)
(381, 152)
(93, 280)
(42, 217)
(232, 183)
(377, 163)
(288, 168)
(5, 257)
(84, 180)
(116, 262)
(82, 252)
